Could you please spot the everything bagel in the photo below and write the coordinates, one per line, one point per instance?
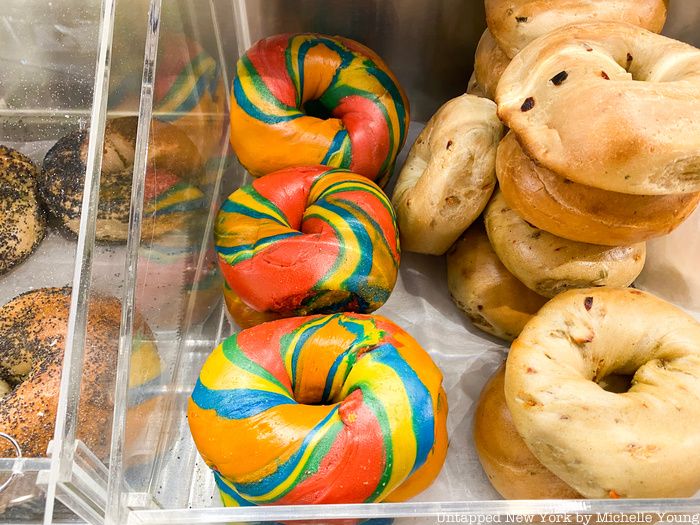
(22, 221)
(608, 105)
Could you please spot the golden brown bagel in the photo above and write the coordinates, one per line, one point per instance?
(608, 105)
(548, 264)
(22, 222)
(642, 443)
(516, 23)
(489, 64)
(510, 466)
(449, 175)
(582, 213)
(33, 329)
(488, 294)
(173, 164)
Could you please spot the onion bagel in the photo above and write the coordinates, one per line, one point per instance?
(488, 294)
(583, 213)
(641, 443)
(510, 466)
(608, 105)
(548, 264)
(449, 175)
(516, 23)
(22, 222)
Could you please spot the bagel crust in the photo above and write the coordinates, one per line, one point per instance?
(489, 64)
(449, 175)
(510, 466)
(548, 264)
(583, 213)
(481, 287)
(642, 443)
(516, 23)
(608, 105)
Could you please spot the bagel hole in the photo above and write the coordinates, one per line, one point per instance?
(615, 383)
(315, 108)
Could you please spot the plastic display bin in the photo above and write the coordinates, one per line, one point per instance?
(78, 64)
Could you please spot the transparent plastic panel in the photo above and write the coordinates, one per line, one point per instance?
(173, 282)
(430, 46)
(48, 56)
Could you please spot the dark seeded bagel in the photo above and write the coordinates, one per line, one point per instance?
(33, 329)
(22, 222)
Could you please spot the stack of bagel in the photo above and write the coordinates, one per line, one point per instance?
(584, 152)
(577, 141)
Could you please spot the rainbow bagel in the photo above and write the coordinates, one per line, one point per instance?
(308, 240)
(344, 408)
(315, 99)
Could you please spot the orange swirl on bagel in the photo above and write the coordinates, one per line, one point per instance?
(309, 240)
(322, 409)
(315, 99)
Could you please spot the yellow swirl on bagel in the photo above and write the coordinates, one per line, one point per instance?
(641, 443)
(344, 408)
(608, 105)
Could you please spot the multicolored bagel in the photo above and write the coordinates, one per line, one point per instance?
(343, 408)
(314, 99)
(309, 240)
(22, 221)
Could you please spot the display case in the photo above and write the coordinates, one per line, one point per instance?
(167, 66)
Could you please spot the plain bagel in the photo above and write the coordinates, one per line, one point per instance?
(489, 64)
(583, 213)
(510, 466)
(548, 264)
(481, 287)
(449, 175)
(608, 105)
(516, 23)
(642, 443)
